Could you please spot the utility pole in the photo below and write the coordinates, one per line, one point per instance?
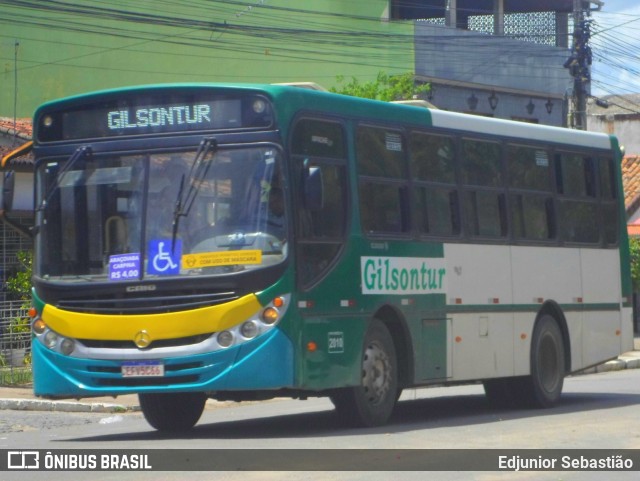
(579, 63)
(15, 93)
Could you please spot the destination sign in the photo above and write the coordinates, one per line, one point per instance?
(160, 116)
(152, 113)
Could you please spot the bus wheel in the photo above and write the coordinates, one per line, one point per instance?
(372, 402)
(543, 387)
(172, 411)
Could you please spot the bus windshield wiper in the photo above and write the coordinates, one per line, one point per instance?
(197, 173)
(82, 152)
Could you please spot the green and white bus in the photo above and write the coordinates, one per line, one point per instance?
(238, 242)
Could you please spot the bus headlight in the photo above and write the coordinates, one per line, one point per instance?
(225, 339)
(50, 339)
(249, 329)
(67, 346)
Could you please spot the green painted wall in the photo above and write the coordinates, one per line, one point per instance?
(95, 44)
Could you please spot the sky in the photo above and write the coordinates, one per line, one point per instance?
(615, 44)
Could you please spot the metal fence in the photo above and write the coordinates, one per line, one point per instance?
(15, 343)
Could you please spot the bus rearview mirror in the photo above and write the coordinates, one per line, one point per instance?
(8, 187)
(313, 189)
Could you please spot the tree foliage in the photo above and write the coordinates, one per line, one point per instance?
(384, 87)
(19, 284)
(19, 287)
(634, 248)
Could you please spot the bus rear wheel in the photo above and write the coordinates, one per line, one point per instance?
(543, 387)
(371, 403)
(172, 411)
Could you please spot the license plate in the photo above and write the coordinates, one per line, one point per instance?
(142, 369)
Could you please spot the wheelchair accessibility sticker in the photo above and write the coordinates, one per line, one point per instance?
(163, 260)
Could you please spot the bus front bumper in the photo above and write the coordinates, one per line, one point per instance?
(264, 363)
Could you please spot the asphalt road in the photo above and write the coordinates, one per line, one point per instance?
(597, 411)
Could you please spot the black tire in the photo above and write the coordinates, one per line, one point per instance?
(372, 402)
(542, 389)
(172, 412)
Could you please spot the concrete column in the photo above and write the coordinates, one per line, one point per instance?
(562, 30)
(451, 14)
(498, 17)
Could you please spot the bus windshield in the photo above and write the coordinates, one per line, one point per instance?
(134, 217)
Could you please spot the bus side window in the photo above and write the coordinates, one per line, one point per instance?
(435, 196)
(383, 207)
(575, 175)
(484, 200)
(531, 204)
(437, 210)
(383, 187)
(608, 200)
(579, 207)
(532, 217)
(485, 213)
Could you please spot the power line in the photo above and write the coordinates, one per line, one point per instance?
(249, 28)
(328, 39)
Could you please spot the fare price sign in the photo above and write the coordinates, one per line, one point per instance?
(124, 266)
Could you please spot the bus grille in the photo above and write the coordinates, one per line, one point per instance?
(145, 305)
(129, 344)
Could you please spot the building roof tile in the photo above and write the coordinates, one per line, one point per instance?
(631, 182)
(20, 130)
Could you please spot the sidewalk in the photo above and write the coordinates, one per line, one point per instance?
(22, 398)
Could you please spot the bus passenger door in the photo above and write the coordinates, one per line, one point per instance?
(320, 212)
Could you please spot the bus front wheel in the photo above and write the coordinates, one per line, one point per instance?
(172, 411)
(371, 403)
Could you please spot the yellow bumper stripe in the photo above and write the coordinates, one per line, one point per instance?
(159, 326)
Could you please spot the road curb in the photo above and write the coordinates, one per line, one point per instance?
(64, 406)
(623, 362)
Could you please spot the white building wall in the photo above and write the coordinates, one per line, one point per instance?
(627, 129)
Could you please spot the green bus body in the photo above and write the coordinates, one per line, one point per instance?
(446, 248)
